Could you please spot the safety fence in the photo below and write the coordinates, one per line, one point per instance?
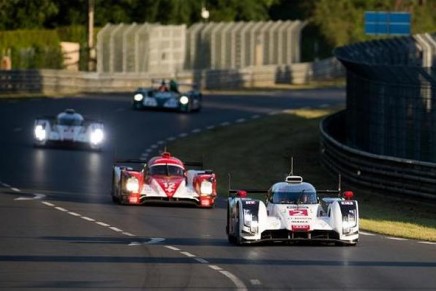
(391, 96)
(386, 137)
(388, 175)
(141, 48)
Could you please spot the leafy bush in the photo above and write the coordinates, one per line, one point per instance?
(32, 49)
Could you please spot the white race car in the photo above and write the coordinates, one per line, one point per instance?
(292, 212)
(68, 128)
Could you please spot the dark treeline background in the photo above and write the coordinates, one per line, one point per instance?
(339, 21)
(31, 23)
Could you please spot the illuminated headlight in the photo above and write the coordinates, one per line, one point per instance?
(250, 225)
(248, 219)
(206, 188)
(254, 226)
(138, 97)
(350, 218)
(349, 222)
(97, 136)
(40, 132)
(184, 100)
(132, 185)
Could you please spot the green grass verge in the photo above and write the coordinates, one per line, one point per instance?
(258, 153)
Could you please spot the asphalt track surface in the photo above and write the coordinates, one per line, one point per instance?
(60, 230)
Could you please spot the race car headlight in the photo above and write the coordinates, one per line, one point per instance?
(254, 227)
(206, 188)
(184, 100)
(40, 132)
(138, 97)
(97, 136)
(350, 218)
(132, 185)
(349, 222)
(251, 225)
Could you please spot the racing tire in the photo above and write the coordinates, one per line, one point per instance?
(200, 105)
(115, 199)
(137, 106)
(231, 239)
(197, 109)
(346, 244)
(239, 241)
(39, 145)
(188, 108)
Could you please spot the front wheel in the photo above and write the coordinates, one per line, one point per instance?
(187, 108)
(114, 191)
(136, 106)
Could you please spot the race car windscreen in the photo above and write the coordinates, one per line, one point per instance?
(300, 197)
(69, 120)
(166, 170)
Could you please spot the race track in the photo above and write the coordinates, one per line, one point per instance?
(61, 231)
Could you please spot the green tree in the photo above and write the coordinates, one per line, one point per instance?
(341, 22)
(239, 10)
(25, 14)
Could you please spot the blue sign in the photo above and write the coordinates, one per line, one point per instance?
(396, 23)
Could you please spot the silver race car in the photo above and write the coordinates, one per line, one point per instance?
(165, 95)
(292, 212)
(68, 129)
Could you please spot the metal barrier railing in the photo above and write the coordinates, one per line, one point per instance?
(382, 173)
(391, 94)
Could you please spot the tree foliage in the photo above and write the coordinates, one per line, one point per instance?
(25, 14)
(331, 22)
(342, 21)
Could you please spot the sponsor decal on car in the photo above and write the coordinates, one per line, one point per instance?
(298, 212)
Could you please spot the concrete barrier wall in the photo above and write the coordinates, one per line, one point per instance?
(65, 82)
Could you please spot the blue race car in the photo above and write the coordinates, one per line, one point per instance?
(167, 96)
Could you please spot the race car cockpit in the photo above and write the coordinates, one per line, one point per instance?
(166, 170)
(298, 197)
(69, 118)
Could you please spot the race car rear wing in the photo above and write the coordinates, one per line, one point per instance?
(142, 161)
(337, 191)
(243, 193)
(156, 82)
(131, 161)
(193, 164)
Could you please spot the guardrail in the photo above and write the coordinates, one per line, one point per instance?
(382, 173)
(63, 81)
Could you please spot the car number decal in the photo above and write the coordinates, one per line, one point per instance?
(169, 186)
(298, 212)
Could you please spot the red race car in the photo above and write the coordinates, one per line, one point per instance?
(163, 178)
